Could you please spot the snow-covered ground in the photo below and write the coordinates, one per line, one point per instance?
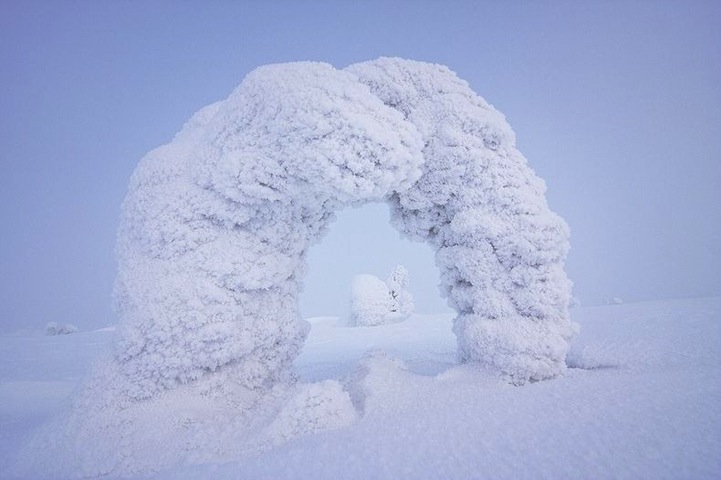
(641, 400)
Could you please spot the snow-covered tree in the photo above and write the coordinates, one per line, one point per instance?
(217, 224)
(370, 301)
(402, 299)
(375, 302)
(53, 328)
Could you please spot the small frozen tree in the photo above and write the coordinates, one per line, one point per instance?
(401, 299)
(371, 302)
(52, 328)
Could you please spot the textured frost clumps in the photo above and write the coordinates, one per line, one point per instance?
(217, 224)
(499, 248)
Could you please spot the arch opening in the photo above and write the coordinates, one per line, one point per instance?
(361, 240)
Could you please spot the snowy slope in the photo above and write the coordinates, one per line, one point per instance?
(641, 401)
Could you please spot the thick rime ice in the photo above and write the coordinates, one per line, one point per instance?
(499, 248)
(217, 224)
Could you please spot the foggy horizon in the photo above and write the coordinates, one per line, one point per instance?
(616, 106)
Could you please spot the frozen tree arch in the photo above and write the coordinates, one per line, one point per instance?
(212, 250)
(217, 223)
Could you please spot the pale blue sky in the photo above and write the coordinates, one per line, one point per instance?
(616, 104)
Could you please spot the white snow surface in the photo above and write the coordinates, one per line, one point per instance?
(640, 400)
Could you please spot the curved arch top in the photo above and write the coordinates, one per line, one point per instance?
(217, 223)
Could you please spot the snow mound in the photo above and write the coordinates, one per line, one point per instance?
(212, 420)
(53, 328)
(376, 374)
(314, 407)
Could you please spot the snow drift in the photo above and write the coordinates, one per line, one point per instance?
(639, 400)
(216, 226)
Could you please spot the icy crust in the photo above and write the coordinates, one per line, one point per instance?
(212, 253)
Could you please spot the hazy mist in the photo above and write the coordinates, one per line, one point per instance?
(617, 105)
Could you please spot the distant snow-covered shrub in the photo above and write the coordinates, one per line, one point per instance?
(53, 328)
(575, 302)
